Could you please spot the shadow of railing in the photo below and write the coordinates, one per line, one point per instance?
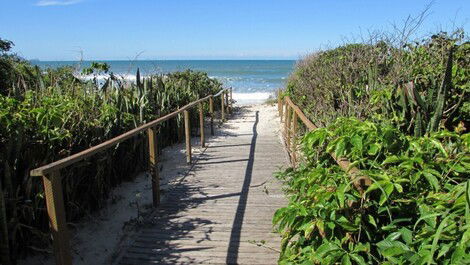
(165, 238)
(234, 244)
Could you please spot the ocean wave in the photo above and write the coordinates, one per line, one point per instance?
(102, 77)
(249, 90)
(251, 98)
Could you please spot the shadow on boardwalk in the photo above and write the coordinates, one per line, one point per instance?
(203, 218)
(234, 244)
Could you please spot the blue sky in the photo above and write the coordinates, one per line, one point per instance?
(204, 29)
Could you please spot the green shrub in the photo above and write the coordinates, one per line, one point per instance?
(365, 80)
(417, 211)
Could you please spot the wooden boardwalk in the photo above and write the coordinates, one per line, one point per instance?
(221, 212)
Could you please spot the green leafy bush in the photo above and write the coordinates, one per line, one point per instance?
(366, 80)
(417, 211)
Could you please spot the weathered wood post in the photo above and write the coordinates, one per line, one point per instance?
(288, 123)
(222, 105)
(57, 222)
(294, 139)
(201, 124)
(231, 100)
(285, 118)
(211, 110)
(188, 136)
(153, 164)
(227, 103)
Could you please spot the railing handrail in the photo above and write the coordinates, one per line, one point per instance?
(310, 125)
(67, 161)
(219, 93)
(359, 180)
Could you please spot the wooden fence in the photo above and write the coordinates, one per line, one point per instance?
(52, 179)
(291, 113)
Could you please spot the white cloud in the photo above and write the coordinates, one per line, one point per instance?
(57, 2)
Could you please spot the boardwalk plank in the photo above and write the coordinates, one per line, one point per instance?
(222, 211)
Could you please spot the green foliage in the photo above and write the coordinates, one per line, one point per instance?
(55, 114)
(417, 211)
(365, 81)
(96, 68)
(389, 110)
(5, 45)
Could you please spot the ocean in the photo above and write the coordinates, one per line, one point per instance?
(253, 81)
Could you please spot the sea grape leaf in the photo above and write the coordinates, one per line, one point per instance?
(346, 224)
(358, 259)
(325, 248)
(390, 248)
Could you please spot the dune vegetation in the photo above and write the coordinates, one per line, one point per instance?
(48, 114)
(399, 112)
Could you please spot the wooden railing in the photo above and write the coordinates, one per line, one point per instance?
(291, 113)
(52, 179)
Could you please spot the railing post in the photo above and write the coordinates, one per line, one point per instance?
(57, 222)
(285, 118)
(188, 136)
(294, 134)
(231, 100)
(227, 104)
(288, 124)
(201, 124)
(211, 110)
(153, 161)
(222, 99)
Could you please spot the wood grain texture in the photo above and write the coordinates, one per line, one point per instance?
(201, 125)
(222, 105)
(211, 110)
(57, 222)
(153, 160)
(294, 136)
(187, 134)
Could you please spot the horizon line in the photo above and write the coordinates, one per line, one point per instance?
(130, 60)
